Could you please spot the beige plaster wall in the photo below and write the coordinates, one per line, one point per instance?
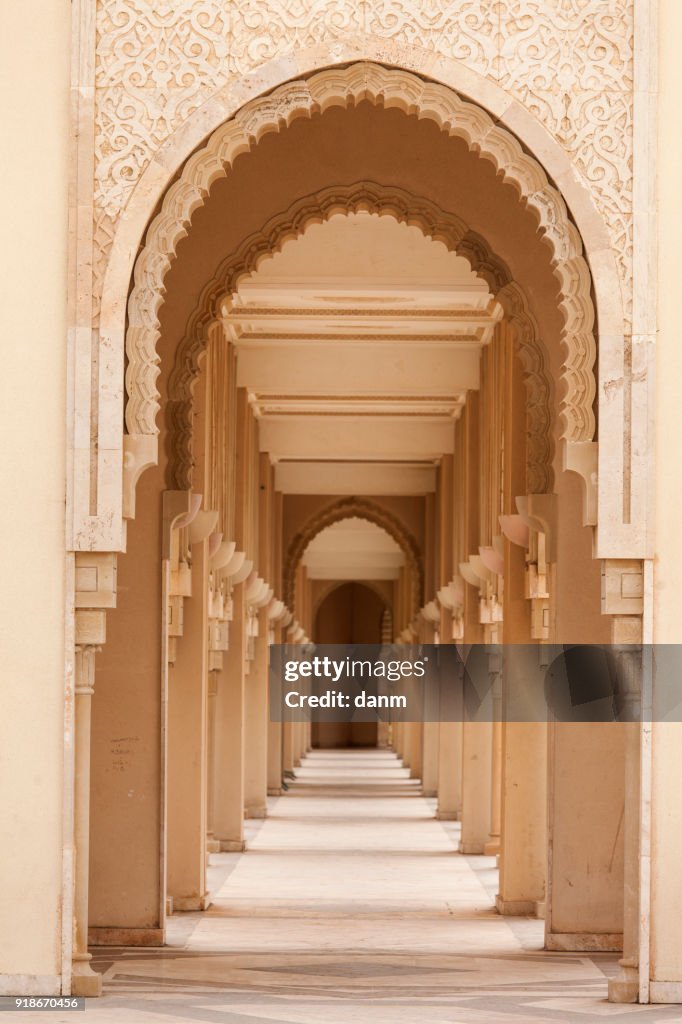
(666, 892)
(34, 81)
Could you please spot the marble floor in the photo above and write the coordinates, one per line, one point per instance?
(350, 906)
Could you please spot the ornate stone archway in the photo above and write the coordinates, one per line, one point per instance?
(438, 224)
(396, 89)
(351, 508)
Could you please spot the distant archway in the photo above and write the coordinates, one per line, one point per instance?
(349, 508)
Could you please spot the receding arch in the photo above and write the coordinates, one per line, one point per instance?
(343, 87)
(440, 225)
(351, 508)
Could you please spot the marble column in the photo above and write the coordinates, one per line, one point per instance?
(477, 752)
(85, 981)
(229, 745)
(256, 725)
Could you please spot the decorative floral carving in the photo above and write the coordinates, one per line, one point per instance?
(463, 29)
(157, 60)
(569, 61)
(262, 29)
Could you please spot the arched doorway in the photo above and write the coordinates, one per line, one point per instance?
(350, 614)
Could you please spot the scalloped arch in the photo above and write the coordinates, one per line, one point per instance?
(349, 508)
(436, 223)
(394, 89)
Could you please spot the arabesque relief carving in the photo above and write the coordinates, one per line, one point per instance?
(570, 62)
(442, 226)
(394, 89)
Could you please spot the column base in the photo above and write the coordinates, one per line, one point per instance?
(516, 908)
(665, 992)
(213, 845)
(447, 815)
(232, 845)
(85, 981)
(469, 847)
(492, 847)
(625, 987)
(259, 811)
(186, 903)
(275, 791)
(584, 942)
(429, 793)
(127, 936)
(30, 985)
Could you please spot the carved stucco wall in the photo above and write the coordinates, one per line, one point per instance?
(570, 62)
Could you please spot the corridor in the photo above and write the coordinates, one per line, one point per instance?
(351, 904)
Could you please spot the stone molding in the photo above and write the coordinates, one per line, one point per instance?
(350, 508)
(438, 224)
(341, 87)
(569, 63)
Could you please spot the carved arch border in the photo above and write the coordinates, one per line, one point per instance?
(440, 225)
(350, 508)
(341, 87)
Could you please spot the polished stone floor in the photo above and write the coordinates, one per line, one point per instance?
(351, 906)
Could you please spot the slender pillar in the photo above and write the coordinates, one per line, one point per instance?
(492, 847)
(450, 771)
(212, 844)
(416, 748)
(256, 726)
(523, 856)
(287, 748)
(229, 747)
(585, 874)
(450, 751)
(187, 754)
(430, 757)
(85, 981)
(477, 751)
(275, 738)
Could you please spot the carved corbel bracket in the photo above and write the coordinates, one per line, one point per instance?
(515, 529)
(452, 599)
(539, 513)
(431, 613)
(179, 509)
(140, 452)
(581, 457)
(203, 524)
(222, 556)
